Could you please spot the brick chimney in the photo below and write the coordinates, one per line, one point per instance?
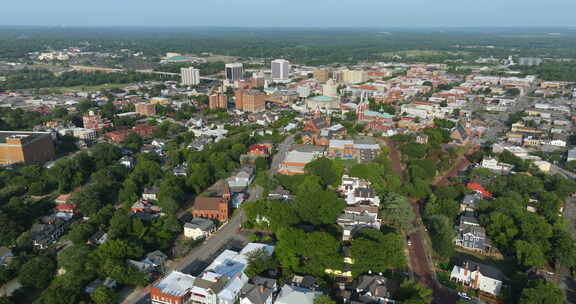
(476, 280)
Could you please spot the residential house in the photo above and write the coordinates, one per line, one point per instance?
(180, 170)
(356, 190)
(280, 194)
(479, 189)
(198, 228)
(215, 203)
(262, 150)
(108, 283)
(98, 238)
(485, 279)
(470, 201)
(296, 295)
(150, 193)
(358, 217)
(496, 166)
(471, 235)
(241, 180)
(145, 206)
(375, 289)
(127, 161)
(422, 139)
(223, 280)
(259, 290)
(48, 232)
(154, 261)
(5, 256)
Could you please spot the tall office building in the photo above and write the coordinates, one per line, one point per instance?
(234, 71)
(280, 70)
(190, 76)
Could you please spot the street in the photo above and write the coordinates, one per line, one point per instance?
(228, 236)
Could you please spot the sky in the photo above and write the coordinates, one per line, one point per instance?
(291, 13)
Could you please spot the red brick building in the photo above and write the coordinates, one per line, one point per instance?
(146, 109)
(175, 288)
(250, 100)
(215, 204)
(25, 147)
(218, 101)
(120, 135)
(95, 121)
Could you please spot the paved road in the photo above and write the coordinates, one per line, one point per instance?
(420, 260)
(229, 235)
(567, 283)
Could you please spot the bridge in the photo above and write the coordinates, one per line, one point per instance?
(83, 68)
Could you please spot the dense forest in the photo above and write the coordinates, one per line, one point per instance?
(41, 78)
(305, 46)
(553, 71)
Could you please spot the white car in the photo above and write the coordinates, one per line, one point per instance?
(464, 296)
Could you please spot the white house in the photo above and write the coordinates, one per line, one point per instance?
(494, 165)
(222, 281)
(198, 228)
(356, 190)
(241, 180)
(477, 279)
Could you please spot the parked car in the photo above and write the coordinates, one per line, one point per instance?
(464, 296)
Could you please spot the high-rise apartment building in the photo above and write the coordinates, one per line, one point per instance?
(218, 101)
(354, 76)
(280, 70)
(322, 75)
(190, 76)
(250, 100)
(234, 71)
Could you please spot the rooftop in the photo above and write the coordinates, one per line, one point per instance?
(322, 98)
(176, 283)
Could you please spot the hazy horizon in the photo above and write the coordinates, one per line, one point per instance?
(292, 14)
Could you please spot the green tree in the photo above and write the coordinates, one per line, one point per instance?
(442, 235)
(542, 292)
(397, 211)
(529, 254)
(411, 292)
(329, 171)
(38, 272)
(259, 262)
(133, 142)
(323, 299)
(103, 295)
(375, 251)
(315, 205)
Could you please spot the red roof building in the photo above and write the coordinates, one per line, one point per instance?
(478, 188)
